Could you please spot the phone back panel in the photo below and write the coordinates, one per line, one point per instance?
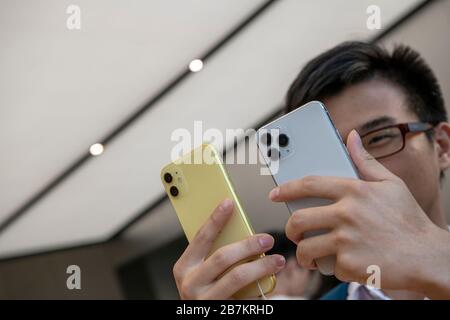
(201, 188)
(315, 148)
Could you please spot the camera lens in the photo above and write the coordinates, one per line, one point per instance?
(266, 138)
(273, 153)
(173, 191)
(283, 140)
(167, 177)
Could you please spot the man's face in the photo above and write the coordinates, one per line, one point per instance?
(360, 106)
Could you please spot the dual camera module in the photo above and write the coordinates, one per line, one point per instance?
(173, 190)
(272, 152)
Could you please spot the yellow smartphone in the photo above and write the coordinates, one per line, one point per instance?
(196, 183)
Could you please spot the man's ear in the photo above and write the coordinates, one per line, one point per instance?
(442, 140)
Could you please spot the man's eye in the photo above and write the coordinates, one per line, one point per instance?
(381, 139)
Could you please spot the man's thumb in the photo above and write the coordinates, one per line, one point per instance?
(368, 167)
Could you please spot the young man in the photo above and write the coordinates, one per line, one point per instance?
(390, 110)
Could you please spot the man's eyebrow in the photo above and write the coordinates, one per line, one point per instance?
(377, 122)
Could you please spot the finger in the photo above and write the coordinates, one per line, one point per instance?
(244, 274)
(311, 186)
(202, 242)
(368, 167)
(314, 248)
(310, 219)
(230, 254)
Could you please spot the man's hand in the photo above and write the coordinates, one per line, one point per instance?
(373, 221)
(200, 277)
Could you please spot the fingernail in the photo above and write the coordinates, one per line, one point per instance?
(265, 241)
(280, 261)
(225, 205)
(358, 138)
(274, 193)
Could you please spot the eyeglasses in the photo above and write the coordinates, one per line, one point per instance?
(385, 142)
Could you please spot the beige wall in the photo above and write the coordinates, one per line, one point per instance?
(44, 276)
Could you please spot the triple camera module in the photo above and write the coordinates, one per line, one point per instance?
(274, 152)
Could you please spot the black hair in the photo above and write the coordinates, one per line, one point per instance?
(354, 62)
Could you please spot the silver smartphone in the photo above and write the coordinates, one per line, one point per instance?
(301, 143)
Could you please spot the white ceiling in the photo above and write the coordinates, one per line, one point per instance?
(61, 91)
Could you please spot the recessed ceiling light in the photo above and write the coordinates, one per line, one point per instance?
(196, 65)
(96, 149)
